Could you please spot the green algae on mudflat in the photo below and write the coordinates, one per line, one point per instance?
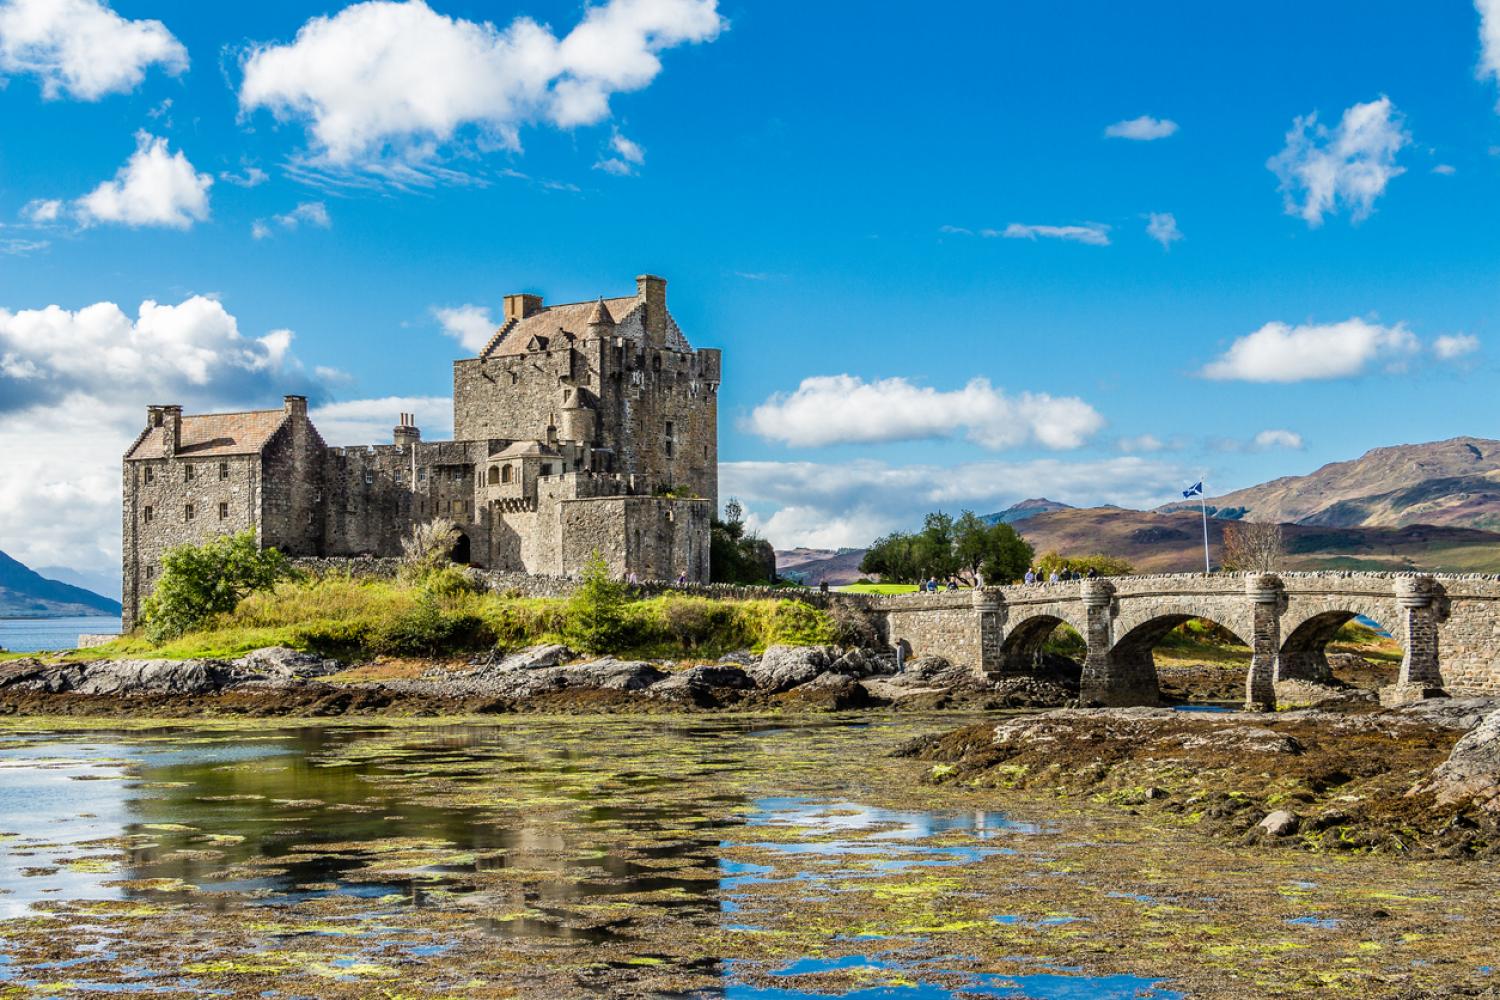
(529, 855)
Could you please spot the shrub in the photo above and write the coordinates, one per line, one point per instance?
(788, 623)
(853, 626)
(427, 630)
(427, 548)
(597, 621)
(333, 637)
(450, 582)
(693, 623)
(200, 581)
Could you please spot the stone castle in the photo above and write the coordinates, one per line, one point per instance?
(580, 428)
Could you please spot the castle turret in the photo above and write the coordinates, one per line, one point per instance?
(601, 323)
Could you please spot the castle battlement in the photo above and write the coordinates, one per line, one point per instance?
(579, 428)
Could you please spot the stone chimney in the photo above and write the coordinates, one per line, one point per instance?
(653, 291)
(294, 406)
(406, 432)
(521, 306)
(169, 418)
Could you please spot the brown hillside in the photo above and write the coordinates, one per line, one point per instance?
(1454, 482)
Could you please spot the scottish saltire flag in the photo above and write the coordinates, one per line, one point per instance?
(1194, 489)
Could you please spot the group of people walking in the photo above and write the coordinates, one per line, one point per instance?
(1035, 576)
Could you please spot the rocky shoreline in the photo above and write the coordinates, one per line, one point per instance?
(1422, 780)
(284, 682)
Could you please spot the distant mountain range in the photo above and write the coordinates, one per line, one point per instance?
(25, 593)
(1454, 482)
(1429, 506)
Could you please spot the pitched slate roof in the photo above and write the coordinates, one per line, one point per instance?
(208, 434)
(528, 449)
(551, 322)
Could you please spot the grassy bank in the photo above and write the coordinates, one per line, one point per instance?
(356, 618)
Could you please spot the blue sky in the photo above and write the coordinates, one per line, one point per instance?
(889, 205)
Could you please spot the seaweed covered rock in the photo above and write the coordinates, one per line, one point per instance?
(1472, 770)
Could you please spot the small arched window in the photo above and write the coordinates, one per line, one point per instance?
(494, 475)
(505, 474)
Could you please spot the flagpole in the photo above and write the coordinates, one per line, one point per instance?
(1203, 506)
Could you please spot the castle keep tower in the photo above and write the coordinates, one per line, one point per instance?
(580, 428)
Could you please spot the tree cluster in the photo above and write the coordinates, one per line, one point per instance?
(1101, 564)
(735, 553)
(947, 548)
(200, 581)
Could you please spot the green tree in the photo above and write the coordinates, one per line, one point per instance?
(199, 581)
(892, 558)
(996, 552)
(736, 554)
(596, 621)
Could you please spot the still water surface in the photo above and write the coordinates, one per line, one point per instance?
(544, 857)
(30, 635)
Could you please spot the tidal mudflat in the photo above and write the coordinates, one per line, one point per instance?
(728, 857)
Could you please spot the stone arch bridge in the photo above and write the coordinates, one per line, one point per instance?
(1448, 627)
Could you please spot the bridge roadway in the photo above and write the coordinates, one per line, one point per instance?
(1448, 627)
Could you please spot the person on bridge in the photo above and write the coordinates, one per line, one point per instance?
(1093, 573)
(1030, 576)
(1053, 577)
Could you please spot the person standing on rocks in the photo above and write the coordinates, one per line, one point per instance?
(903, 652)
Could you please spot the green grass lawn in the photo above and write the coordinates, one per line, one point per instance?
(877, 588)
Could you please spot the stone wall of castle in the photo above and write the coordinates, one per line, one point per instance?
(170, 501)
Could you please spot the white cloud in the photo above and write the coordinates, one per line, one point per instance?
(1278, 352)
(1162, 227)
(13, 247)
(470, 325)
(1140, 442)
(82, 48)
(1450, 347)
(1143, 129)
(311, 213)
(852, 503)
(153, 188)
(73, 390)
(628, 156)
(42, 210)
(1445, 169)
(1276, 438)
(370, 421)
(1323, 170)
(383, 80)
(1489, 39)
(252, 177)
(1094, 234)
(844, 409)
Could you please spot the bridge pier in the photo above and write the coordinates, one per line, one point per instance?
(1112, 677)
(1420, 677)
(1266, 599)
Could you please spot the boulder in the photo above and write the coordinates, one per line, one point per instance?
(858, 663)
(740, 658)
(1472, 770)
(610, 674)
(537, 657)
(710, 675)
(131, 678)
(280, 666)
(1452, 713)
(1280, 823)
(830, 692)
(784, 667)
(1291, 694)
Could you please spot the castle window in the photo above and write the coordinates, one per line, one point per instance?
(147, 514)
(494, 475)
(507, 474)
(421, 475)
(223, 470)
(187, 512)
(150, 571)
(150, 474)
(369, 478)
(669, 439)
(187, 473)
(223, 511)
(458, 506)
(656, 362)
(546, 468)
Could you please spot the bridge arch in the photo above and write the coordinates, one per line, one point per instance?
(1021, 649)
(1132, 656)
(1306, 634)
